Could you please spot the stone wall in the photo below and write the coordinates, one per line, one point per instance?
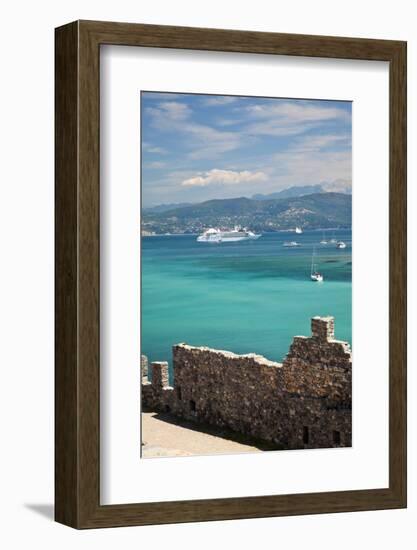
(304, 402)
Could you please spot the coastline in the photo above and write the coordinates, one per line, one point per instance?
(263, 233)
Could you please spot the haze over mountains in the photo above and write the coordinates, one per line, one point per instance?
(296, 191)
(307, 206)
(338, 186)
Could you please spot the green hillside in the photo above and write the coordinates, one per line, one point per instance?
(319, 210)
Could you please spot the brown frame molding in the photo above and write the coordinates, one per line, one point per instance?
(77, 467)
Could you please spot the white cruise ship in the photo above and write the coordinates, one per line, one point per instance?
(214, 235)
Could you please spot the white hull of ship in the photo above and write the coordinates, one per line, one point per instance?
(203, 239)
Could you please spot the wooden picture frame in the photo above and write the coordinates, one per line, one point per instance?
(77, 373)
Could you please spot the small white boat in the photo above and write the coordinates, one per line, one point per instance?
(291, 244)
(315, 275)
(323, 241)
(298, 230)
(340, 244)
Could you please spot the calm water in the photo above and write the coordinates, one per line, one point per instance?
(252, 296)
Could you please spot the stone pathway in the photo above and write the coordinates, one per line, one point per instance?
(162, 437)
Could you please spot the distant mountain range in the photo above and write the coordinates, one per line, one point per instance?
(337, 186)
(166, 207)
(310, 211)
(296, 191)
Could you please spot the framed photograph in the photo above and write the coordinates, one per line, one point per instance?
(230, 274)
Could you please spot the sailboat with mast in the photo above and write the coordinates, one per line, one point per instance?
(315, 275)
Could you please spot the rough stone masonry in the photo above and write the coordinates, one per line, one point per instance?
(304, 402)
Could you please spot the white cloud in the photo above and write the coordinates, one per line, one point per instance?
(151, 149)
(200, 140)
(215, 101)
(318, 159)
(296, 111)
(305, 167)
(208, 142)
(289, 118)
(225, 177)
(337, 186)
(284, 118)
(318, 142)
(169, 96)
(168, 112)
(155, 164)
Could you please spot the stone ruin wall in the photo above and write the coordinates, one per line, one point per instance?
(304, 402)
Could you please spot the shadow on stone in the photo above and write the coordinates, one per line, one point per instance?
(223, 433)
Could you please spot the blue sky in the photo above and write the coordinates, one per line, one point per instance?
(201, 147)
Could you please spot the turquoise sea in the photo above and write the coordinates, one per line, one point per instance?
(250, 296)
